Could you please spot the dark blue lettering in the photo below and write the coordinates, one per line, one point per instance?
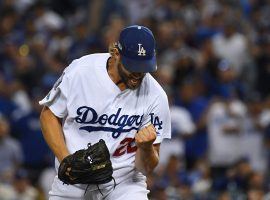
(103, 119)
(88, 115)
(132, 119)
(83, 114)
(113, 118)
(155, 121)
(139, 120)
(122, 120)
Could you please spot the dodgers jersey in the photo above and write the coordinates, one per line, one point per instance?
(93, 107)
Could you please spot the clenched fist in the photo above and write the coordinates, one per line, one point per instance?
(145, 138)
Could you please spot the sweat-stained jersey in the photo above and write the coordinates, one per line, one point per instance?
(93, 107)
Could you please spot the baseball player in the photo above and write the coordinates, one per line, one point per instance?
(109, 96)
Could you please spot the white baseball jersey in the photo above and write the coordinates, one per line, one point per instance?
(93, 107)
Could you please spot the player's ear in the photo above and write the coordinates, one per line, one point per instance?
(113, 48)
(115, 53)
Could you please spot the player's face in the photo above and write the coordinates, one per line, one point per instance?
(131, 79)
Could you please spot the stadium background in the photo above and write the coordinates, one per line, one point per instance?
(214, 63)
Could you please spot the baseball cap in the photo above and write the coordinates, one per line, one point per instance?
(137, 49)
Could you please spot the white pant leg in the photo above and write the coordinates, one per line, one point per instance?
(129, 189)
(90, 195)
(62, 198)
(75, 192)
(68, 192)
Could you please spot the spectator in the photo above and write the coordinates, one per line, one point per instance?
(10, 153)
(20, 190)
(224, 124)
(232, 45)
(22, 186)
(263, 62)
(252, 139)
(200, 178)
(182, 127)
(26, 128)
(222, 81)
(190, 97)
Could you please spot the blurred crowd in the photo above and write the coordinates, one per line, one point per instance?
(214, 64)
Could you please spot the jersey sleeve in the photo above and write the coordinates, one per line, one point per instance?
(159, 115)
(56, 99)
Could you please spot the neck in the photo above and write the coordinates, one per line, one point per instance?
(114, 75)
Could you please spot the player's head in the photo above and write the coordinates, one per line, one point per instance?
(136, 47)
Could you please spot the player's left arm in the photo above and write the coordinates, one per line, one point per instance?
(156, 126)
(147, 155)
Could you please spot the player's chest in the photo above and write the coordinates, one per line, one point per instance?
(125, 109)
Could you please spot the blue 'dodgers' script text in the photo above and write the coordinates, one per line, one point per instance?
(116, 121)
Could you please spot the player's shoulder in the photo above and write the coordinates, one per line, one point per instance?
(153, 88)
(87, 62)
(92, 59)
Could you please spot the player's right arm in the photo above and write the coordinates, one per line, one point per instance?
(51, 127)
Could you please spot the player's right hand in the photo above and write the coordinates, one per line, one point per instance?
(145, 137)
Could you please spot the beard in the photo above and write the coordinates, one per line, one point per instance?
(129, 81)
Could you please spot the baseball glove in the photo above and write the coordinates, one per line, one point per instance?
(87, 166)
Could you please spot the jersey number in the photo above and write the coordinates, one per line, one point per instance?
(125, 147)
